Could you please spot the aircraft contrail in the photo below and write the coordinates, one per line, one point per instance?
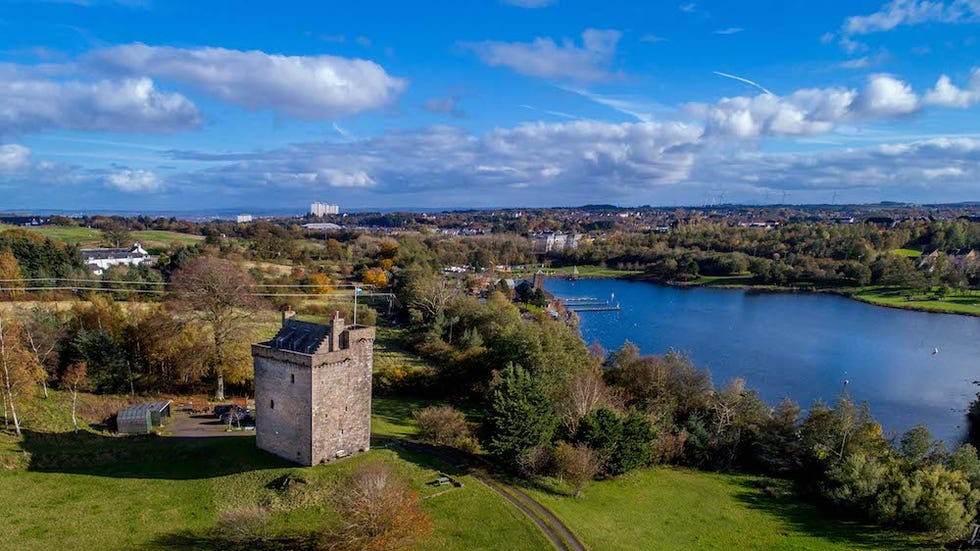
(745, 80)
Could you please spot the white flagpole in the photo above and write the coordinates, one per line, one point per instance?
(355, 305)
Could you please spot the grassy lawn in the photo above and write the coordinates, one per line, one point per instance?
(592, 271)
(956, 302)
(88, 237)
(98, 491)
(911, 253)
(390, 352)
(667, 508)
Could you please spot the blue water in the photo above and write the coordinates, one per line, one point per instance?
(801, 346)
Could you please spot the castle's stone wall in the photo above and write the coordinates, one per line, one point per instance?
(342, 398)
(282, 403)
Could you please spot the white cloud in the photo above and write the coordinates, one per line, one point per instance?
(134, 181)
(577, 159)
(653, 38)
(947, 94)
(912, 12)
(894, 169)
(885, 96)
(338, 178)
(544, 58)
(807, 111)
(307, 87)
(31, 103)
(729, 30)
(14, 157)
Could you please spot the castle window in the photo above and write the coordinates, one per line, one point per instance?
(272, 404)
(292, 378)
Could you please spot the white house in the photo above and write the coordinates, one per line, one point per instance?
(98, 260)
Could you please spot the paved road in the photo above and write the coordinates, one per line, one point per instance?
(556, 531)
(182, 425)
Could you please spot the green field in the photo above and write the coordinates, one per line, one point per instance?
(88, 237)
(911, 253)
(679, 509)
(97, 491)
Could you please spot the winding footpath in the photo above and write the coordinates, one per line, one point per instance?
(556, 531)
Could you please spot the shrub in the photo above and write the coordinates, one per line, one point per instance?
(443, 425)
(378, 511)
(576, 465)
(243, 525)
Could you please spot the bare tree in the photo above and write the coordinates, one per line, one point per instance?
(378, 512)
(75, 379)
(219, 294)
(43, 332)
(19, 369)
(582, 393)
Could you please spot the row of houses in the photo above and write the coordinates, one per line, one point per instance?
(100, 260)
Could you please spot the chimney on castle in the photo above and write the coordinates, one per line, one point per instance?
(336, 329)
(288, 314)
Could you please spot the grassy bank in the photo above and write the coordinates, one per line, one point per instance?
(679, 509)
(927, 300)
(956, 302)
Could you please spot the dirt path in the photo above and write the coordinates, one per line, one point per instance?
(556, 531)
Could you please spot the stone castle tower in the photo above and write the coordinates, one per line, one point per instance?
(313, 390)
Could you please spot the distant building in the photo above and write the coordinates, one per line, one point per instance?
(324, 209)
(546, 242)
(321, 226)
(313, 390)
(99, 260)
(243, 218)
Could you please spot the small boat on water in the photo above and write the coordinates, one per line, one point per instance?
(935, 351)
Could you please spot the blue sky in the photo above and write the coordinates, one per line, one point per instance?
(170, 105)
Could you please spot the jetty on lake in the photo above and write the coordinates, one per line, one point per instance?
(590, 304)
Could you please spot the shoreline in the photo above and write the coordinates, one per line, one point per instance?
(844, 292)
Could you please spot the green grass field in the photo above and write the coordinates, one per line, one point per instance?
(98, 491)
(911, 253)
(679, 509)
(88, 237)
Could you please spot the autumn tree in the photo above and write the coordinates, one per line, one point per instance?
(375, 277)
(219, 295)
(378, 511)
(75, 379)
(321, 284)
(10, 275)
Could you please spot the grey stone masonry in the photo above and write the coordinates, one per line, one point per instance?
(313, 391)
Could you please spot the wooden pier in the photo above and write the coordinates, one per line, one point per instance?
(589, 304)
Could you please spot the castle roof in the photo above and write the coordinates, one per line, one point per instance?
(300, 336)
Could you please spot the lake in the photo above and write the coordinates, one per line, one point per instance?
(803, 346)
